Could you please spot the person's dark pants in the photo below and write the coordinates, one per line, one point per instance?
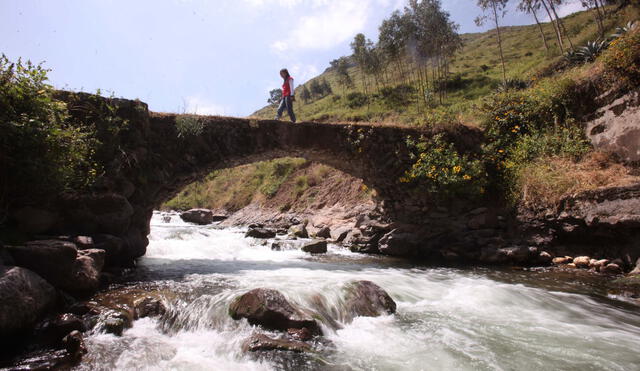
(287, 104)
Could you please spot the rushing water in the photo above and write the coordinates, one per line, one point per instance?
(447, 319)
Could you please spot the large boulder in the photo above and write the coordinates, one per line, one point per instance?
(270, 309)
(24, 298)
(617, 128)
(198, 216)
(315, 247)
(113, 247)
(259, 232)
(340, 233)
(324, 232)
(99, 213)
(398, 243)
(51, 259)
(261, 342)
(34, 220)
(366, 299)
(84, 278)
(299, 230)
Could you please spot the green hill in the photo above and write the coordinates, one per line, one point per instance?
(473, 74)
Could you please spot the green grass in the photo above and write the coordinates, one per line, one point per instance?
(233, 189)
(525, 57)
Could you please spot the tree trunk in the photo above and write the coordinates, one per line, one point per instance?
(555, 26)
(560, 23)
(495, 18)
(544, 38)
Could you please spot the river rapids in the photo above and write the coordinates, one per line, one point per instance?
(447, 319)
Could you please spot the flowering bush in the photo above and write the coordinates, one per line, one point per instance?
(622, 59)
(439, 168)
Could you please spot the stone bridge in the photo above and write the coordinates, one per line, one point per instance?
(149, 157)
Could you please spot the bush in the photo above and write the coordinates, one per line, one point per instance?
(440, 169)
(188, 126)
(42, 151)
(622, 59)
(397, 96)
(356, 99)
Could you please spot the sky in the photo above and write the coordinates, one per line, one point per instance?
(198, 56)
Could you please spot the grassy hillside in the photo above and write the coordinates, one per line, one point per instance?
(475, 73)
(284, 184)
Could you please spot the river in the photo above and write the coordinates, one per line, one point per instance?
(447, 318)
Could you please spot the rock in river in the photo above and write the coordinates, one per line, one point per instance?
(315, 247)
(198, 216)
(261, 342)
(24, 297)
(259, 232)
(270, 309)
(365, 298)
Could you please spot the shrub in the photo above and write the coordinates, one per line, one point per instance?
(188, 126)
(440, 169)
(397, 96)
(42, 151)
(622, 59)
(356, 99)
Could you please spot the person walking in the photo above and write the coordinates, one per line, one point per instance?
(288, 96)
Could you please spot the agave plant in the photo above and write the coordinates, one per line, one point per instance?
(586, 53)
(512, 84)
(631, 25)
(592, 49)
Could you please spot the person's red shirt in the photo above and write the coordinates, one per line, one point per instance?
(287, 87)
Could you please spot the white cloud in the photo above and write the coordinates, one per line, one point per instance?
(332, 22)
(201, 106)
(303, 73)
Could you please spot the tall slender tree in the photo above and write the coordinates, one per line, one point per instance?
(494, 11)
(531, 7)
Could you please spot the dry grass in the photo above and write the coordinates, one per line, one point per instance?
(546, 181)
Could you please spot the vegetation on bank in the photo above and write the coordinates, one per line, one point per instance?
(42, 151)
(284, 183)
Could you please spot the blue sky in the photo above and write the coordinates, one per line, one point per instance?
(198, 56)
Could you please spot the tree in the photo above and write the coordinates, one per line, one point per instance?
(326, 87)
(531, 7)
(341, 65)
(275, 96)
(315, 88)
(305, 95)
(597, 9)
(360, 47)
(496, 9)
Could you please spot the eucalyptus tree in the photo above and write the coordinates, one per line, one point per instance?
(494, 11)
(597, 9)
(341, 66)
(554, 22)
(434, 40)
(532, 7)
(392, 40)
(360, 47)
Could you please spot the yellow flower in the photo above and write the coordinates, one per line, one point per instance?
(456, 169)
(501, 151)
(466, 177)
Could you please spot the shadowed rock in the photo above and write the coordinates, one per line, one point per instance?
(261, 342)
(315, 247)
(366, 299)
(270, 309)
(24, 297)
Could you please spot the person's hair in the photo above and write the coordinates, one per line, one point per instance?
(286, 72)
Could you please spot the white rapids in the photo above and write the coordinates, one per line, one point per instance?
(447, 319)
